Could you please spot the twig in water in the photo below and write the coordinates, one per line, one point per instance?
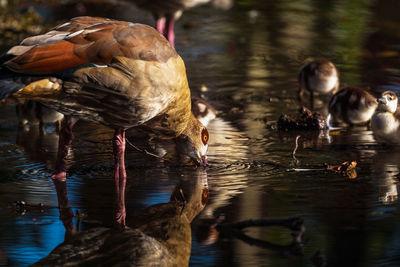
(295, 161)
(347, 168)
(305, 170)
(146, 152)
(295, 224)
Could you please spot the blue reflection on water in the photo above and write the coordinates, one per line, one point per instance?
(33, 238)
(202, 255)
(158, 197)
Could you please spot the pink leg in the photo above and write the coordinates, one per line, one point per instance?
(120, 177)
(166, 28)
(169, 32)
(66, 213)
(161, 25)
(65, 139)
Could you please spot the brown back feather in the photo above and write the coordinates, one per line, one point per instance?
(87, 39)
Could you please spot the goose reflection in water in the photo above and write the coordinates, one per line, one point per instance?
(33, 113)
(37, 131)
(159, 235)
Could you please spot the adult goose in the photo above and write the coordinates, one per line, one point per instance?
(116, 73)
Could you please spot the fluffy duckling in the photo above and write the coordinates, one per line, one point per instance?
(352, 105)
(320, 76)
(386, 121)
(203, 111)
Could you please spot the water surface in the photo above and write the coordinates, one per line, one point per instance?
(248, 58)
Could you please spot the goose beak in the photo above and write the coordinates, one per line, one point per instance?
(204, 161)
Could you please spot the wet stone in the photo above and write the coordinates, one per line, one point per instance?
(304, 120)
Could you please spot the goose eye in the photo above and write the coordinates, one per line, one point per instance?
(204, 136)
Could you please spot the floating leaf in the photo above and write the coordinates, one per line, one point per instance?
(347, 168)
